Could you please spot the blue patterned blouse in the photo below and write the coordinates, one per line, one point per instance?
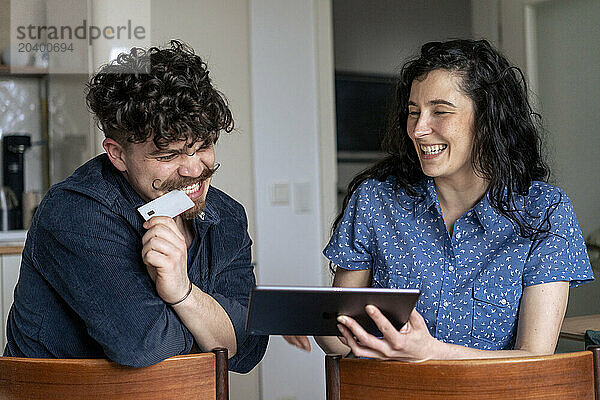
(471, 282)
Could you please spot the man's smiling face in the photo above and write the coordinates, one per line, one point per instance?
(153, 172)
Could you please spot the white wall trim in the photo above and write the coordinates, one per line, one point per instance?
(326, 116)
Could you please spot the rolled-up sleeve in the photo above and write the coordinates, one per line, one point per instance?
(561, 255)
(351, 245)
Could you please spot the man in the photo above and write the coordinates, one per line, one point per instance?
(98, 281)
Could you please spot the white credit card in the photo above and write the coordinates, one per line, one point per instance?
(168, 205)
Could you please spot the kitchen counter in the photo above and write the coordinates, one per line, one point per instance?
(12, 242)
(13, 248)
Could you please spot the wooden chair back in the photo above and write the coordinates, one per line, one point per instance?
(595, 349)
(193, 376)
(560, 376)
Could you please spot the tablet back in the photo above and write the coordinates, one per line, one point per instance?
(290, 310)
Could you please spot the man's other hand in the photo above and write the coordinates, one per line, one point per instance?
(301, 342)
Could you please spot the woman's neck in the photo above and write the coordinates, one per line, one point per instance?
(456, 197)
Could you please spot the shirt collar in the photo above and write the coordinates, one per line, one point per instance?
(127, 190)
(426, 189)
(486, 214)
(490, 218)
(210, 214)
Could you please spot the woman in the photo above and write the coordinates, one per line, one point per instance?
(459, 209)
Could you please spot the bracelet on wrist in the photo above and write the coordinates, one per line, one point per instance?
(183, 298)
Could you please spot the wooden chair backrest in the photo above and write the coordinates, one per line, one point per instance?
(595, 349)
(193, 376)
(560, 376)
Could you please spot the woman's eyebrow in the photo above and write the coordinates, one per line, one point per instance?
(434, 102)
(441, 101)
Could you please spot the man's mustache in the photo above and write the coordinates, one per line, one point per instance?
(179, 183)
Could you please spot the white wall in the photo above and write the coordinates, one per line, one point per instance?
(568, 76)
(484, 18)
(286, 123)
(376, 36)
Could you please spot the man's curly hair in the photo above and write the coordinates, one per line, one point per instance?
(163, 94)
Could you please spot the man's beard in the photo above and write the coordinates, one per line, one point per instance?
(195, 211)
(180, 183)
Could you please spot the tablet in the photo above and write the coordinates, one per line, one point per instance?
(293, 310)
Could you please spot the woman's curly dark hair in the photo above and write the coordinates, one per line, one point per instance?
(165, 94)
(507, 141)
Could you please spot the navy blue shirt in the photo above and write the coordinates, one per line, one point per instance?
(471, 282)
(84, 292)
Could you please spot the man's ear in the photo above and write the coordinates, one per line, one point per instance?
(116, 153)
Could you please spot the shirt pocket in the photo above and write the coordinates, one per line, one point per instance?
(495, 311)
(405, 274)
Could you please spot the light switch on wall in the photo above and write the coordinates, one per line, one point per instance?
(302, 197)
(280, 194)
